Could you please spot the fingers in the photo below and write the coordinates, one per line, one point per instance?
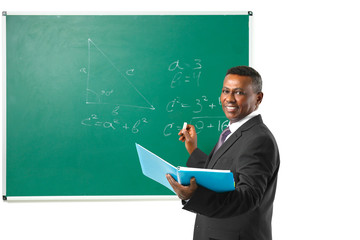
(175, 185)
(188, 133)
(193, 182)
(172, 181)
(184, 134)
(189, 128)
(183, 192)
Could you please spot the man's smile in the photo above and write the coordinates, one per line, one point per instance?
(231, 108)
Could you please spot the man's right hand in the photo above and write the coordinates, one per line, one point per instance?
(189, 137)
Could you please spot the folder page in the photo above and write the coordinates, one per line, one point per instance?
(215, 180)
(155, 168)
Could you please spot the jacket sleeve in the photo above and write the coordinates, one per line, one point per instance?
(197, 159)
(256, 169)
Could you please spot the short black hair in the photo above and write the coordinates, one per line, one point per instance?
(250, 72)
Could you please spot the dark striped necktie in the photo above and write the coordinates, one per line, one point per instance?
(222, 138)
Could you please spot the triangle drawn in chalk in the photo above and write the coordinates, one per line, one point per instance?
(107, 84)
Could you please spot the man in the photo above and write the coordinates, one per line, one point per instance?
(250, 152)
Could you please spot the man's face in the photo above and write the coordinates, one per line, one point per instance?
(238, 98)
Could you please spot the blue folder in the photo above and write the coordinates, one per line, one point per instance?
(156, 168)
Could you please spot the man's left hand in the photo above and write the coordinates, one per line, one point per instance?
(183, 192)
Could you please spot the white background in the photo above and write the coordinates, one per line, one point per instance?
(308, 55)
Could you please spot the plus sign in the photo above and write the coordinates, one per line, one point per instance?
(212, 106)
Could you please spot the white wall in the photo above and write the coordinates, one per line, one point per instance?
(308, 54)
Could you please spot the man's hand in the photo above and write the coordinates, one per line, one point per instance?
(183, 192)
(189, 137)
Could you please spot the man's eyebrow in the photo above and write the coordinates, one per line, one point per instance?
(234, 88)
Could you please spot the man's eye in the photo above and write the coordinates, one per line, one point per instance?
(240, 93)
(225, 91)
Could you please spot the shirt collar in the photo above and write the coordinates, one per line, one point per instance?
(235, 126)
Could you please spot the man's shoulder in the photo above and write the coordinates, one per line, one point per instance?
(257, 130)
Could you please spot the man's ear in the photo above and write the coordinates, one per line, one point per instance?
(259, 98)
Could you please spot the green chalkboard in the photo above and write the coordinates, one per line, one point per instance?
(81, 90)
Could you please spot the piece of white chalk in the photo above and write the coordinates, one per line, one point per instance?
(184, 126)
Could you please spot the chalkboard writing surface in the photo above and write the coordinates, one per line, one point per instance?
(81, 90)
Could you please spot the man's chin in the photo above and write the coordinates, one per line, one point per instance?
(233, 117)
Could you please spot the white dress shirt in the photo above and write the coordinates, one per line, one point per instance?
(235, 126)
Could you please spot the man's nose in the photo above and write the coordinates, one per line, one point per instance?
(230, 97)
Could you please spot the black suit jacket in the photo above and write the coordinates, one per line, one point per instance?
(251, 153)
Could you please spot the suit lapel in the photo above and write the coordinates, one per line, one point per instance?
(214, 157)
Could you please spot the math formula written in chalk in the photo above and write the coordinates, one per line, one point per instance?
(107, 84)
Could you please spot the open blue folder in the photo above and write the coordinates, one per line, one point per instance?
(156, 168)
